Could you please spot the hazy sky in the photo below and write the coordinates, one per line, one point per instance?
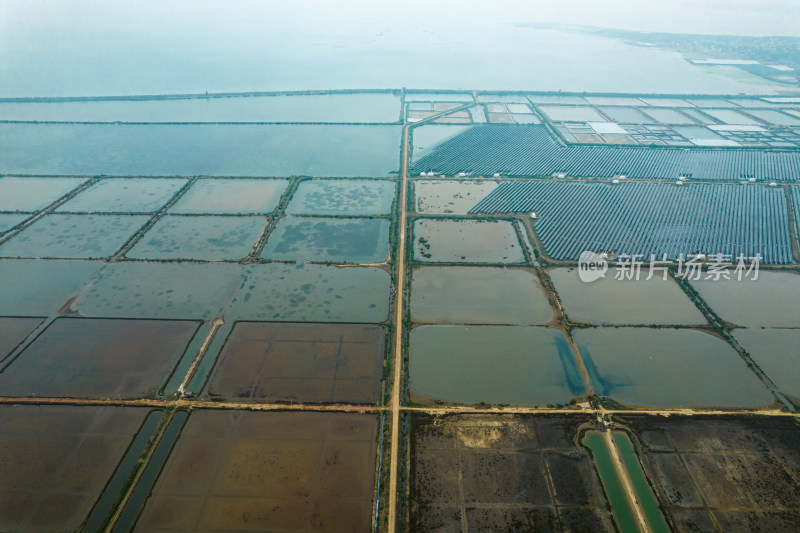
(94, 47)
(738, 17)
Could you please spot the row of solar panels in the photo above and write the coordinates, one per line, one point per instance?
(529, 150)
(650, 218)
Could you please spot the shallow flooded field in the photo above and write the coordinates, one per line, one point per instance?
(478, 295)
(342, 197)
(336, 240)
(32, 194)
(73, 236)
(200, 149)
(735, 474)
(14, 330)
(668, 368)
(449, 197)
(230, 197)
(125, 195)
(195, 237)
(611, 301)
(317, 363)
(363, 108)
(503, 473)
(98, 358)
(63, 456)
(492, 364)
(466, 241)
(777, 353)
(235, 471)
(769, 301)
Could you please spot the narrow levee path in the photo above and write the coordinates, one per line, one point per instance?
(397, 345)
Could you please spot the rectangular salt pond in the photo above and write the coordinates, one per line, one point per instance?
(769, 301)
(35, 287)
(98, 358)
(729, 116)
(449, 197)
(614, 101)
(505, 98)
(521, 108)
(556, 99)
(343, 197)
(219, 196)
(608, 300)
(138, 289)
(334, 107)
(668, 116)
(14, 330)
(33, 194)
(626, 115)
(492, 364)
(427, 137)
(668, 368)
(63, 459)
(335, 240)
(710, 102)
(269, 471)
(10, 220)
(317, 363)
(204, 149)
(571, 113)
(777, 353)
(696, 133)
(73, 236)
(478, 295)
(771, 116)
(666, 102)
(521, 118)
(466, 241)
(125, 195)
(312, 293)
(275, 292)
(199, 237)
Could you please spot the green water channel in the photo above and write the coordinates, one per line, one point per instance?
(645, 494)
(615, 491)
